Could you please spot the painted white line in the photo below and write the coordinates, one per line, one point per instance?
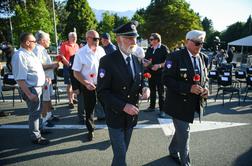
(234, 99)
(168, 128)
(140, 126)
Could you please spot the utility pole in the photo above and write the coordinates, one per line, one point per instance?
(55, 28)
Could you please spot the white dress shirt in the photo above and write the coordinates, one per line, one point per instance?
(87, 62)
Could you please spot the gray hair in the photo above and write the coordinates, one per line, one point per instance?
(41, 35)
(91, 32)
(72, 34)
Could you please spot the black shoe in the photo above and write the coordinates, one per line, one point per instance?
(45, 132)
(49, 124)
(149, 109)
(90, 136)
(54, 118)
(75, 101)
(71, 105)
(175, 159)
(41, 141)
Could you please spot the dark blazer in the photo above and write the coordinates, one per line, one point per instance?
(157, 57)
(115, 89)
(178, 76)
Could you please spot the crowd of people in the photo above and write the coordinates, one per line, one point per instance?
(108, 81)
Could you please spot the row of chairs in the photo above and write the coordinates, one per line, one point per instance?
(9, 84)
(226, 83)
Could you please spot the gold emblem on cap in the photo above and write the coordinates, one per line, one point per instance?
(133, 27)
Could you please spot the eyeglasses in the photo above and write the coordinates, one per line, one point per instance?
(95, 38)
(33, 41)
(197, 43)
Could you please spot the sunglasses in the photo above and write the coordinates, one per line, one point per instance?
(151, 39)
(96, 39)
(197, 43)
(33, 41)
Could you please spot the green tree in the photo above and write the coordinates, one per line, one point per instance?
(139, 16)
(120, 20)
(171, 19)
(107, 24)
(32, 17)
(207, 25)
(233, 32)
(81, 17)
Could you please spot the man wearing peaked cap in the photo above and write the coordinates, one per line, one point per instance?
(119, 84)
(185, 94)
(128, 29)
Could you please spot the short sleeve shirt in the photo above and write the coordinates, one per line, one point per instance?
(26, 66)
(68, 49)
(44, 58)
(87, 62)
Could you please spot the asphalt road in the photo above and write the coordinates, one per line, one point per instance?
(228, 146)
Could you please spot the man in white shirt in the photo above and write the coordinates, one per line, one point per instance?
(30, 76)
(43, 40)
(86, 63)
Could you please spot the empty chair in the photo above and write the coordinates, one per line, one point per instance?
(213, 76)
(248, 87)
(225, 84)
(240, 77)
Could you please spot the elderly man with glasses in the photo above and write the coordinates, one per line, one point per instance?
(85, 67)
(29, 74)
(185, 76)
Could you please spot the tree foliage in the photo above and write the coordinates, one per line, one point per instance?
(32, 17)
(107, 24)
(171, 19)
(81, 17)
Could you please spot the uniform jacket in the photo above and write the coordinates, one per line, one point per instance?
(178, 76)
(115, 89)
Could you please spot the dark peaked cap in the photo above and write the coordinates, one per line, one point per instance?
(128, 29)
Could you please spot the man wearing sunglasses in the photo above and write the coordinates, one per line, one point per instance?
(185, 94)
(29, 74)
(85, 67)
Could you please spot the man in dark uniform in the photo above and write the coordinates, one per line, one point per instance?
(119, 84)
(155, 56)
(185, 76)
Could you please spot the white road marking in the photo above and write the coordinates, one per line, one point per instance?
(101, 126)
(168, 128)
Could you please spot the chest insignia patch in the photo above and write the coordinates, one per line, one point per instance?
(101, 73)
(168, 64)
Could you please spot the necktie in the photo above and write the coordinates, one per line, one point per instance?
(128, 59)
(196, 67)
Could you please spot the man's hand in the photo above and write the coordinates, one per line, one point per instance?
(145, 93)
(130, 109)
(196, 89)
(90, 86)
(146, 62)
(33, 97)
(204, 94)
(55, 65)
(155, 67)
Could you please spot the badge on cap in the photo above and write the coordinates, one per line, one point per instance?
(168, 64)
(101, 73)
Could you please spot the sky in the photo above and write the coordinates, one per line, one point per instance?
(222, 12)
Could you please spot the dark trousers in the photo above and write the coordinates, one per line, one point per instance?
(80, 105)
(180, 142)
(156, 85)
(120, 139)
(89, 98)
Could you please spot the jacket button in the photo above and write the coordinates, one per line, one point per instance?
(128, 96)
(139, 84)
(124, 87)
(184, 100)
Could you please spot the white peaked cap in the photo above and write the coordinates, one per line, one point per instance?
(196, 35)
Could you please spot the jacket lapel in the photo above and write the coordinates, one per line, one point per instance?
(189, 64)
